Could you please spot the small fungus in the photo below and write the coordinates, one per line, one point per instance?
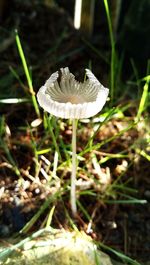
(70, 99)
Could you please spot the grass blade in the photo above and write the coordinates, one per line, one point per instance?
(24, 63)
(43, 207)
(13, 100)
(119, 255)
(113, 56)
(143, 100)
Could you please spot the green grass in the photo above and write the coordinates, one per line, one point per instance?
(28, 76)
(113, 54)
(53, 146)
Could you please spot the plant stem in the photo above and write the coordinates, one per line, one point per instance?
(113, 54)
(28, 77)
(74, 169)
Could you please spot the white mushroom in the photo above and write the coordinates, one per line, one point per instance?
(74, 100)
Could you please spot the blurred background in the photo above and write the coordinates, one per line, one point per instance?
(50, 40)
(55, 34)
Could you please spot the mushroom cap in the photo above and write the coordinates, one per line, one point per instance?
(70, 98)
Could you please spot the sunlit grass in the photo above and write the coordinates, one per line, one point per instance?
(52, 151)
(28, 76)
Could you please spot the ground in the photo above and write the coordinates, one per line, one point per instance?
(105, 193)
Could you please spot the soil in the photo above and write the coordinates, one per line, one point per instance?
(50, 42)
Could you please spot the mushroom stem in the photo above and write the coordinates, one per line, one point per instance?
(74, 169)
